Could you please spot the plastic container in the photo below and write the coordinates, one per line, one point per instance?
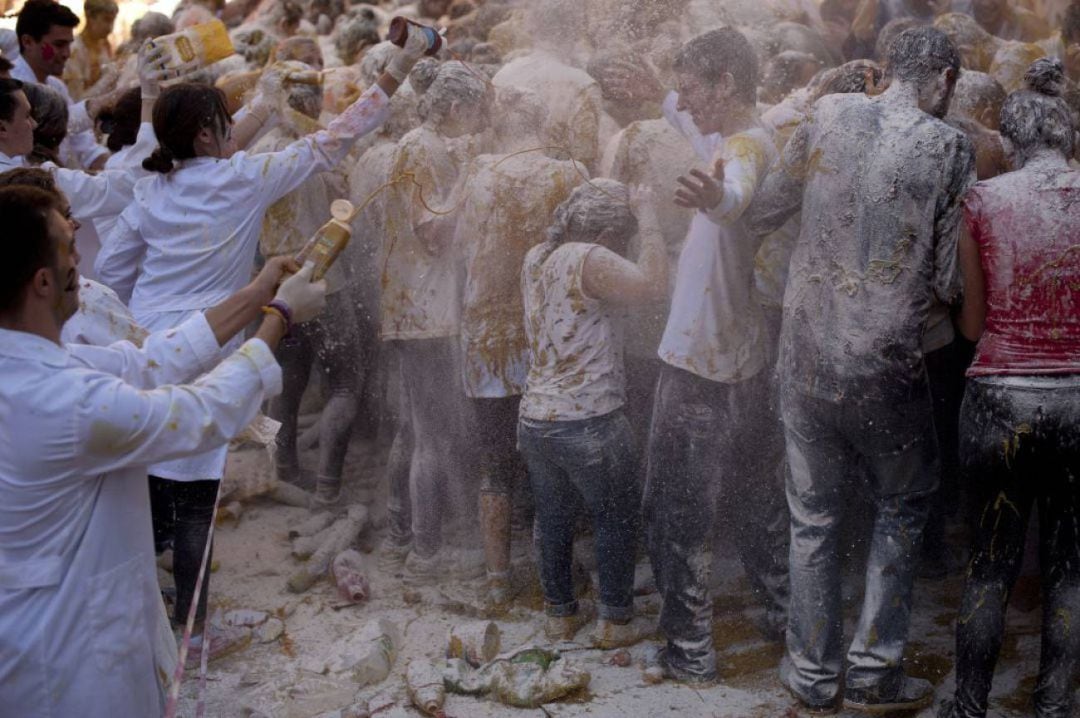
(399, 33)
(207, 43)
(331, 239)
(426, 688)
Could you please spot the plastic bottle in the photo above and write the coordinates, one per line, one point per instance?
(399, 33)
(207, 43)
(426, 687)
(328, 243)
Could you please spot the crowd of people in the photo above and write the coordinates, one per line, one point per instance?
(640, 269)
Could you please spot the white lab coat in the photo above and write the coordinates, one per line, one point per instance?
(83, 630)
(104, 194)
(188, 240)
(80, 148)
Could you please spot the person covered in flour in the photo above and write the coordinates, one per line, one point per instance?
(189, 239)
(82, 626)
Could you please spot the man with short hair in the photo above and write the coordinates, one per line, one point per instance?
(82, 626)
(714, 437)
(46, 31)
(879, 181)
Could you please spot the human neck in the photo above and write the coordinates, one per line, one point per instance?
(1046, 158)
(32, 320)
(902, 93)
(41, 75)
(9, 151)
(738, 119)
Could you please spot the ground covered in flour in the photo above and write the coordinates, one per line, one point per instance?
(298, 673)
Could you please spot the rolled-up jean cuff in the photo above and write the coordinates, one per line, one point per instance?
(561, 610)
(615, 614)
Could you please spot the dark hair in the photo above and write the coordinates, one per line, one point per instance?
(920, 54)
(24, 213)
(5, 64)
(1038, 117)
(717, 52)
(121, 121)
(30, 177)
(37, 17)
(8, 103)
(50, 111)
(180, 113)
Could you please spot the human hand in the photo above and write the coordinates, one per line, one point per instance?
(304, 298)
(268, 280)
(704, 194)
(416, 42)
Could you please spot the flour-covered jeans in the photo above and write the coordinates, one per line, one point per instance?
(712, 447)
(1020, 439)
(885, 450)
(591, 462)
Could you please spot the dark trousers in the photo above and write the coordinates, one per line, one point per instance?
(333, 340)
(182, 512)
(1021, 446)
(712, 445)
(591, 461)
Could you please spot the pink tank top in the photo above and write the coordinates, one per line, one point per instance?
(1027, 227)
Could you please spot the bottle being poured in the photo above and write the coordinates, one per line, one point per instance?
(327, 244)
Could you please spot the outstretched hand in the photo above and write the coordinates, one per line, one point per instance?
(701, 191)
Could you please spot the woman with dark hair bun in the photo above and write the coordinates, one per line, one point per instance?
(189, 239)
(1020, 422)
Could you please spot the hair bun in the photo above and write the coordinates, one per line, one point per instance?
(160, 160)
(1046, 76)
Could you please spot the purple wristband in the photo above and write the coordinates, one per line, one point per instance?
(285, 312)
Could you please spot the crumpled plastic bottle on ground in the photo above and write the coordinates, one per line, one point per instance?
(525, 678)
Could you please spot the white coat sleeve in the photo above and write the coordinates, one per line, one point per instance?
(118, 425)
(170, 356)
(276, 174)
(84, 148)
(117, 264)
(105, 194)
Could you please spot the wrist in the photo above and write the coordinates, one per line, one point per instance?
(278, 308)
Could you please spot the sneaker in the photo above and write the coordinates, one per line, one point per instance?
(392, 555)
(499, 590)
(419, 569)
(911, 694)
(608, 635)
(681, 675)
(947, 710)
(469, 564)
(564, 628)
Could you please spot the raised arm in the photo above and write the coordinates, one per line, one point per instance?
(780, 195)
(611, 278)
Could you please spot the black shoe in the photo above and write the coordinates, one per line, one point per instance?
(909, 694)
(681, 675)
(947, 710)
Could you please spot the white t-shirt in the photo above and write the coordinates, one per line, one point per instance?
(716, 326)
(575, 341)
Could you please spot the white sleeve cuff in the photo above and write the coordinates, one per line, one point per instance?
(200, 336)
(259, 354)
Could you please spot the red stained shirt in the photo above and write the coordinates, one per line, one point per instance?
(1027, 227)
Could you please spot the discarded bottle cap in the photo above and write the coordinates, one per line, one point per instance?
(399, 33)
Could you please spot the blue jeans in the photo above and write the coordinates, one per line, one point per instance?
(887, 451)
(592, 461)
(714, 448)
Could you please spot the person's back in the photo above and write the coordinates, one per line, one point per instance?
(1026, 226)
(882, 186)
(575, 341)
